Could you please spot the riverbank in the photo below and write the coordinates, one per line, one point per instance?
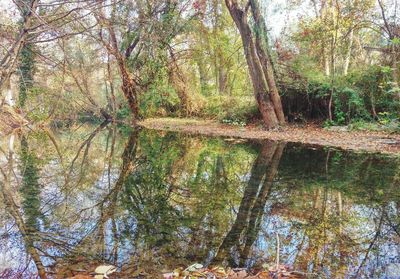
(361, 141)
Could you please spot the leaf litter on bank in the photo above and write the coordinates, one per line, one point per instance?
(311, 134)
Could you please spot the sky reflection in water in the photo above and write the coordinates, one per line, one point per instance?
(149, 202)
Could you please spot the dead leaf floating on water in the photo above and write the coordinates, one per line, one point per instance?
(196, 271)
(194, 267)
(103, 271)
(81, 276)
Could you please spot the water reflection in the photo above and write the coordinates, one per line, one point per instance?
(148, 202)
(251, 210)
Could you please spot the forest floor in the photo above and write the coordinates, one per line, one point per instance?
(312, 134)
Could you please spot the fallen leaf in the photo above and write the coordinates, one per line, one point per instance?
(79, 276)
(103, 271)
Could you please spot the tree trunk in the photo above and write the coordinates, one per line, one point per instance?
(324, 52)
(128, 83)
(9, 98)
(128, 87)
(373, 110)
(9, 61)
(260, 87)
(348, 54)
(203, 77)
(330, 103)
(222, 79)
(395, 68)
(112, 105)
(26, 59)
(179, 82)
(265, 59)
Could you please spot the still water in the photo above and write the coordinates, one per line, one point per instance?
(149, 202)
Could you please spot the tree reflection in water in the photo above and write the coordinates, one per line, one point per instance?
(251, 209)
(148, 202)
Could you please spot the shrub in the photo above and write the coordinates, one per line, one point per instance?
(230, 109)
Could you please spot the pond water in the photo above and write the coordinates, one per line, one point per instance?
(149, 202)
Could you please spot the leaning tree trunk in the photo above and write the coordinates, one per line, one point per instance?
(265, 59)
(129, 90)
(128, 83)
(129, 86)
(260, 87)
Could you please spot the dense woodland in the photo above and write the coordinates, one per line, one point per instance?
(147, 203)
(262, 61)
(77, 193)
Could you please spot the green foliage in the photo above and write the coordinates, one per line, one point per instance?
(395, 41)
(26, 71)
(355, 97)
(308, 67)
(348, 105)
(123, 113)
(160, 96)
(239, 110)
(30, 189)
(38, 104)
(376, 87)
(206, 50)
